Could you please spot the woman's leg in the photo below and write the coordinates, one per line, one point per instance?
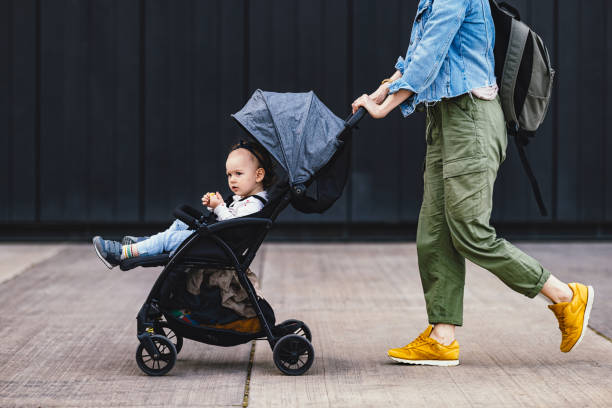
(556, 291)
(472, 156)
(474, 146)
(441, 267)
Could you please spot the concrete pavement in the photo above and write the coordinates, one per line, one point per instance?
(15, 258)
(68, 333)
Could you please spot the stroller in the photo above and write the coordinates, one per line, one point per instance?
(311, 148)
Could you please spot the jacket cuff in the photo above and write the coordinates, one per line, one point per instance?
(399, 65)
(400, 84)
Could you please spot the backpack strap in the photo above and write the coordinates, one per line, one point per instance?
(521, 139)
(519, 34)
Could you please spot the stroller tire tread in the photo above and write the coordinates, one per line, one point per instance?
(157, 365)
(293, 354)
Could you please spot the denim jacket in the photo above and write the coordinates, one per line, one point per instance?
(450, 52)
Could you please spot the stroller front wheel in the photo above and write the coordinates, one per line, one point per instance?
(160, 362)
(293, 354)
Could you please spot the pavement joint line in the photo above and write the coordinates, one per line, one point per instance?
(247, 383)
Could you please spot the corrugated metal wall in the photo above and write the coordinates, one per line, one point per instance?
(117, 110)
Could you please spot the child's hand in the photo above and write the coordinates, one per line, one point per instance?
(206, 199)
(215, 200)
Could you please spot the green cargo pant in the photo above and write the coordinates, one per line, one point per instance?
(466, 143)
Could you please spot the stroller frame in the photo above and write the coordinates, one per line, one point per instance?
(153, 333)
(289, 340)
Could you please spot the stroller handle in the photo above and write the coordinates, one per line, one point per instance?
(353, 119)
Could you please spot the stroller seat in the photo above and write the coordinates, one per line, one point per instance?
(207, 254)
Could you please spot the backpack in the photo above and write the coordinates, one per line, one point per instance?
(525, 80)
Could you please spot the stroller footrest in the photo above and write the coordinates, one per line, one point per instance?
(146, 261)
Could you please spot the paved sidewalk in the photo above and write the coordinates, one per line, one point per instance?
(15, 258)
(69, 340)
(360, 299)
(68, 330)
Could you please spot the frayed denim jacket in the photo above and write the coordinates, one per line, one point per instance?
(450, 52)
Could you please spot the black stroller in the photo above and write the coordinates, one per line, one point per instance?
(311, 148)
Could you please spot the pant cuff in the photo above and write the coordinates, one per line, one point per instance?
(538, 287)
(454, 322)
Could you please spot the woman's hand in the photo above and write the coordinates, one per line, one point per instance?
(368, 103)
(379, 95)
(382, 110)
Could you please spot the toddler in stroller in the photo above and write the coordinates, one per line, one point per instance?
(249, 173)
(310, 149)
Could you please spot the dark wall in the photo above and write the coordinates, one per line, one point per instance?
(115, 111)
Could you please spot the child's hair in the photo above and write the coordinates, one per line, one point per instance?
(263, 158)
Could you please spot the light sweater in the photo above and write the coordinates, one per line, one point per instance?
(240, 207)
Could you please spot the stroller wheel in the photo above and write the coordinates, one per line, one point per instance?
(301, 328)
(293, 354)
(163, 329)
(159, 363)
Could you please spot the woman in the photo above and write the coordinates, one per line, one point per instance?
(449, 71)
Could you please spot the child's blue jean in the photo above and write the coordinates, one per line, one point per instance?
(166, 241)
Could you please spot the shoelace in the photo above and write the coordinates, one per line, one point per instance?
(419, 341)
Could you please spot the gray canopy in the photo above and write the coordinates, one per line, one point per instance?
(296, 128)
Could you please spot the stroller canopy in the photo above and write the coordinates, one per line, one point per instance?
(296, 128)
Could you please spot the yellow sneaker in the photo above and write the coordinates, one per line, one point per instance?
(426, 351)
(573, 316)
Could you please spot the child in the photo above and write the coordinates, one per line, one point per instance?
(249, 173)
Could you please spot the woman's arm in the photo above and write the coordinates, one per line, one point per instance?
(396, 75)
(446, 18)
(382, 110)
(443, 24)
(379, 95)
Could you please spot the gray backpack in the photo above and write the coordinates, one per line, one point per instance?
(525, 79)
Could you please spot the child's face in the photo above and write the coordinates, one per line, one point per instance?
(244, 176)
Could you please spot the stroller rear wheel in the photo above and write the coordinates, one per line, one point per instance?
(161, 361)
(297, 327)
(293, 354)
(160, 327)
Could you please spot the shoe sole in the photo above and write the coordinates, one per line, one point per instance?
(439, 363)
(108, 265)
(587, 314)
